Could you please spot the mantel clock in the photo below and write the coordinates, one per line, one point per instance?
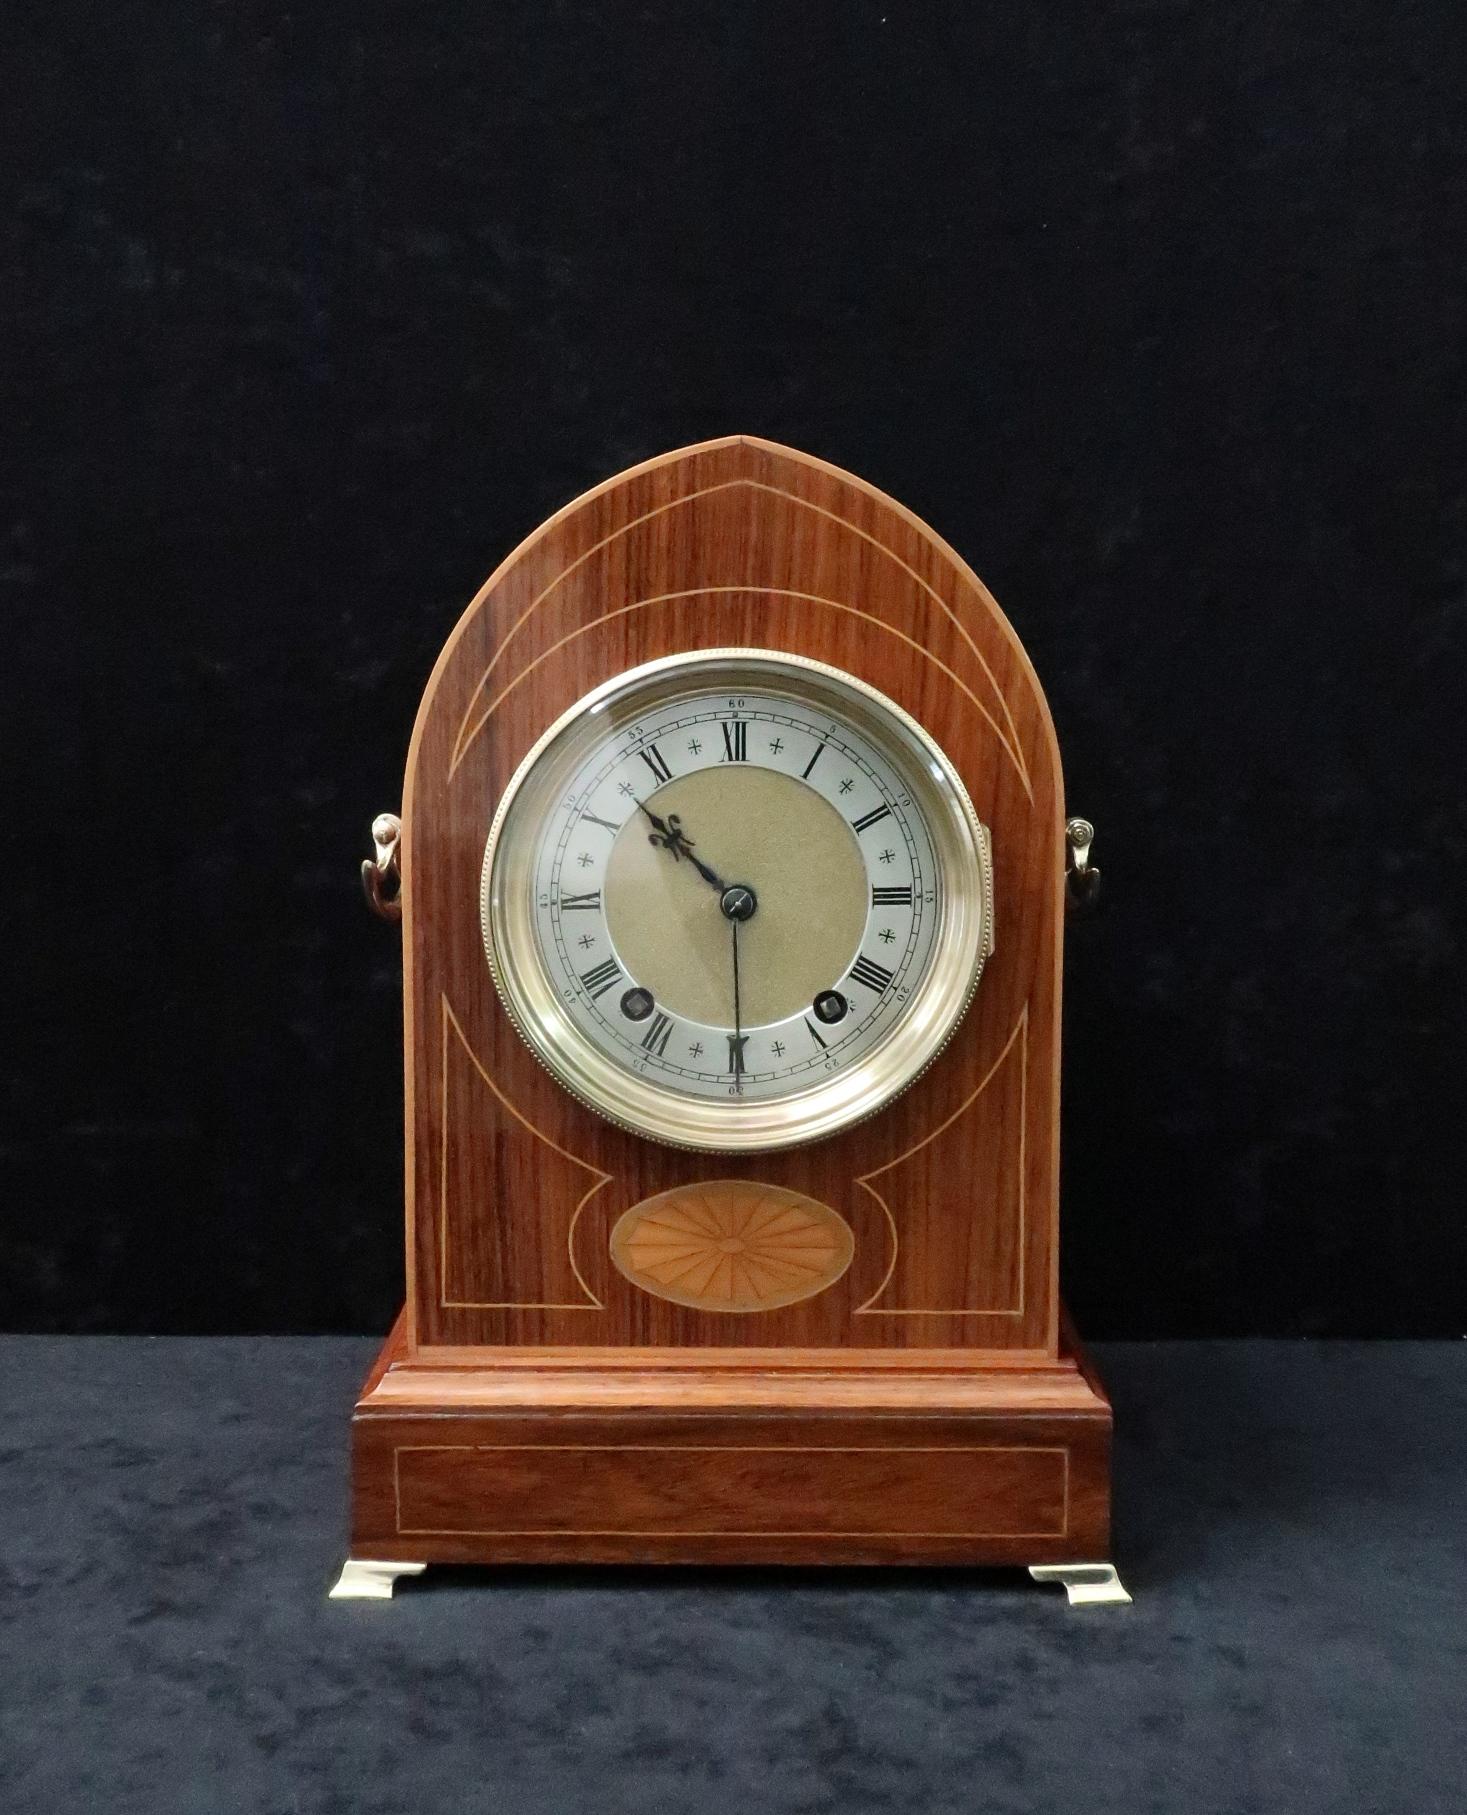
(732, 866)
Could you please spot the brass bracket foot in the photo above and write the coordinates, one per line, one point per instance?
(368, 1579)
(1087, 1584)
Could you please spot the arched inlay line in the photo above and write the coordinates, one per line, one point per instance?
(932, 593)
(598, 1178)
(809, 598)
(461, 742)
(1019, 1032)
(464, 738)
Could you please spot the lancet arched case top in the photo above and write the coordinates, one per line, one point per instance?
(591, 809)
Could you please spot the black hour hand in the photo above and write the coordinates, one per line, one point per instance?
(670, 836)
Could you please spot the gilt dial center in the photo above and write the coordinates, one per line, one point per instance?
(788, 871)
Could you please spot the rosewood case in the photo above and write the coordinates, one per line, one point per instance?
(534, 1404)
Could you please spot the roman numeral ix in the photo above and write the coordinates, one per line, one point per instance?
(581, 901)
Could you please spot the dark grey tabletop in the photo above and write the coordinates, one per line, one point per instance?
(1290, 1521)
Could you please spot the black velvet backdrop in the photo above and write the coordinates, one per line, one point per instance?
(1154, 309)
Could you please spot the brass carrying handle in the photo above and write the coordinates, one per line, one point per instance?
(1082, 878)
(386, 836)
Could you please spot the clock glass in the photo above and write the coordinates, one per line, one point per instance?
(736, 900)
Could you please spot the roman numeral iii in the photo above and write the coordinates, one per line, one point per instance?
(872, 975)
(891, 897)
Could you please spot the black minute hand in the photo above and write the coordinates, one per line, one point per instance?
(736, 1044)
(671, 836)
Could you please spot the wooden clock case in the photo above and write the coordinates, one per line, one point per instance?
(533, 1404)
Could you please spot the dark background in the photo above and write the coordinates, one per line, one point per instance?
(1154, 310)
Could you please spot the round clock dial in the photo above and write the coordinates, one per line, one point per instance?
(736, 900)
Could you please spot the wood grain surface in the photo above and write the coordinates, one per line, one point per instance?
(876, 1460)
(513, 1189)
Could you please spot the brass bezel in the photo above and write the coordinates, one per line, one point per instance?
(532, 998)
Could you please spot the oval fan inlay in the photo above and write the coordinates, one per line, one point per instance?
(732, 1246)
